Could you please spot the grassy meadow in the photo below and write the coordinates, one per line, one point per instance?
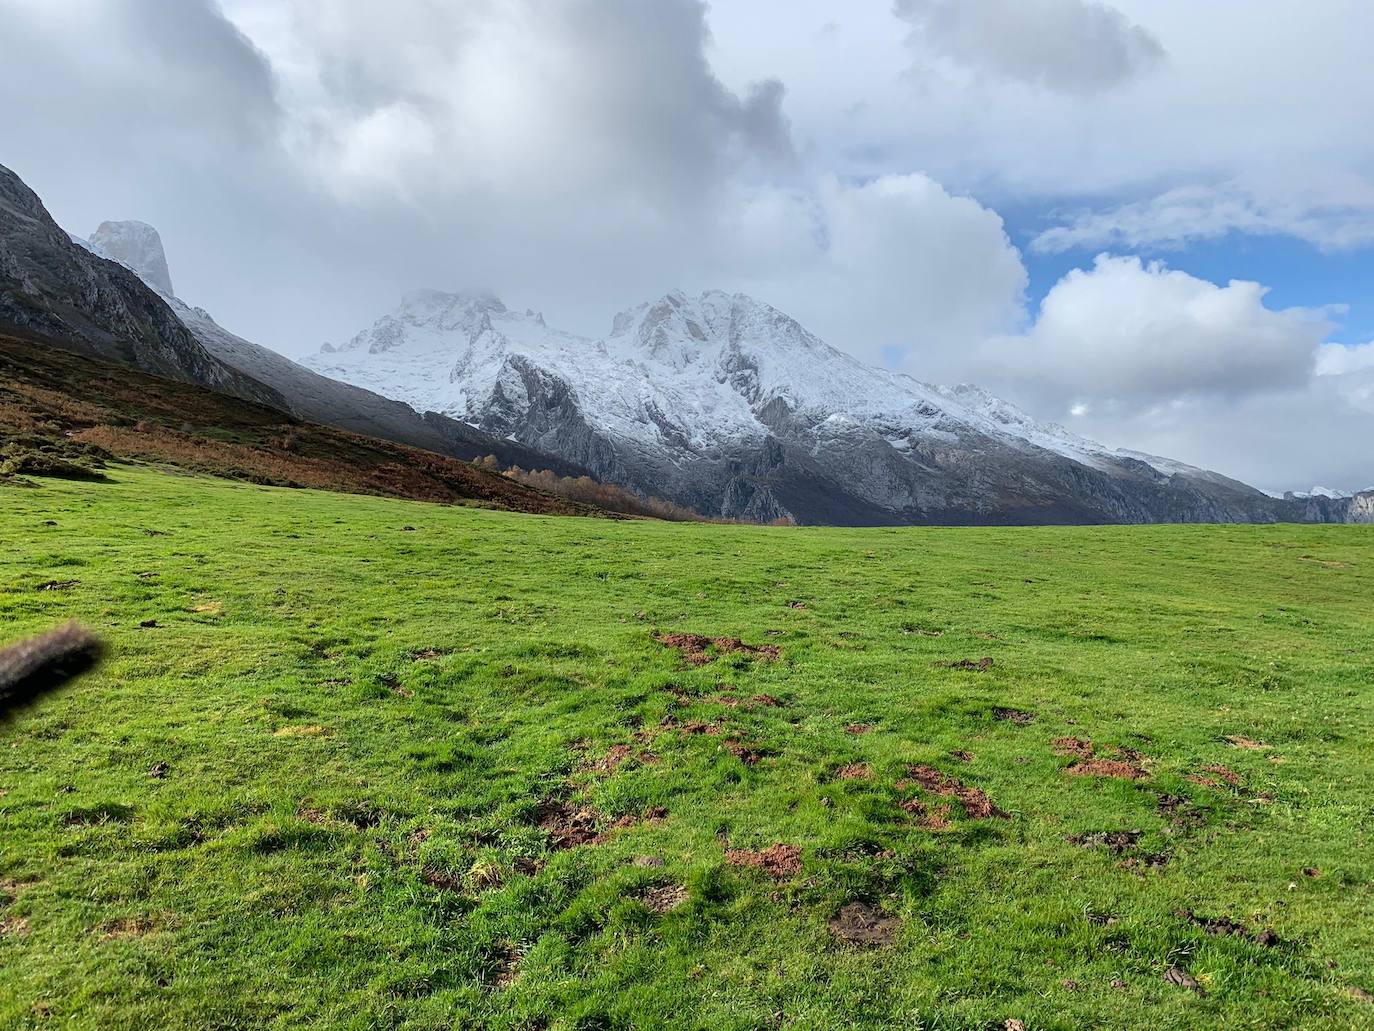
(367, 763)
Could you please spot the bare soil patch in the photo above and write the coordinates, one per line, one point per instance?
(664, 898)
(1225, 927)
(860, 923)
(444, 880)
(977, 805)
(1116, 842)
(859, 728)
(928, 817)
(1217, 774)
(854, 771)
(750, 755)
(700, 650)
(778, 861)
(128, 927)
(972, 665)
(567, 827)
(1075, 746)
(614, 758)
(1019, 717)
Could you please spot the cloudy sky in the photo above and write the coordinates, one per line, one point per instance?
(1151, 220)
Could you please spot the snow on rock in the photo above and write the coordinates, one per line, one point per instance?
(138, 247)
(686, 374)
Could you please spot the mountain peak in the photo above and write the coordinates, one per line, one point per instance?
(138, 247)
(429, 302)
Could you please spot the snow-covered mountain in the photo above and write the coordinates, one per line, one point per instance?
(727, 405)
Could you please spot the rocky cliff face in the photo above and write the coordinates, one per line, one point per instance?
(728, 406)
(53, 287)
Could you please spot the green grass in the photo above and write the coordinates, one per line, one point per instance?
(346, 835)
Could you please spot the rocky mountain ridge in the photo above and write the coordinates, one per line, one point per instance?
(726, 405)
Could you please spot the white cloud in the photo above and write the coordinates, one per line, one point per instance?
(1333, 212)
(1135, 335)
(1146, 357)
(1069, 46)
(581, 101)
(1339, 359)
(896, 264)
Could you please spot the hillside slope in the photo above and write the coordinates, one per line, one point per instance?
(51, 397)
(50, 286)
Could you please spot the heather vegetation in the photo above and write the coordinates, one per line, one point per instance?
(360, 762)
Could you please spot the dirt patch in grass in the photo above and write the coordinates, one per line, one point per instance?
(1249, 744)
(360, 816)
(860, 923)
(503, 967)
(1225, 927)
(971, 665)
(664, 898)
(962, 755)
(1116, 842)
(58, 585)
(1114, 769)
(700, 650)
(654, 814)
(1019, 717)
(567, 827)
(928, 817)
(1075, 746)
(13, 927)
(93, 816)
(977, 805)
(444, 880)
(427, 654)
(1180, 811)
(1213, 774)
(614, 758)
(693, 727)
(750, 755)
(854, 771)
(911, 628)
(778, 861)
(860, 728)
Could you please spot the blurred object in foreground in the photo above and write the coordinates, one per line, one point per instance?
(40, 665)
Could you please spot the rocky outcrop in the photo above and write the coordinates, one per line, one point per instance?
(52, 287)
